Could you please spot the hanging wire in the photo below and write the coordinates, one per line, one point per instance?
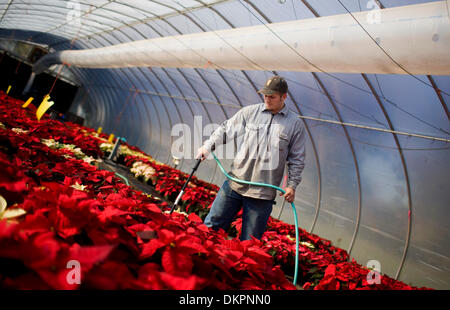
(250, 60)
(337, 78)
(294, 81)
(151, 93)
(70, 47)
(297, 53)
(290, 80)
(377, 129)
(269, 71)
(394, 148)
(207, 61)
(386, 53)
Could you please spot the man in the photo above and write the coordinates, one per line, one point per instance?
(272, 135)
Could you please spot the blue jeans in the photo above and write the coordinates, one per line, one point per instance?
(228, 203)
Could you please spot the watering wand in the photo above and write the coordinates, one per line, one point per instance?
(184, 185)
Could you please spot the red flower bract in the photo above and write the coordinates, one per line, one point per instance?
(122, 239)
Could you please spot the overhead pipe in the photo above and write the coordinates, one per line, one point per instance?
(412, 39)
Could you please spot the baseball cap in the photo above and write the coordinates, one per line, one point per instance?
(275, 84)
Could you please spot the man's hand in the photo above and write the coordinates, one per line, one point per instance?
(289, 195)
(202, 153)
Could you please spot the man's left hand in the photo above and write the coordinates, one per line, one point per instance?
(289, 195)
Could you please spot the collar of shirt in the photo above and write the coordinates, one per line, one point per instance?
(283, 111)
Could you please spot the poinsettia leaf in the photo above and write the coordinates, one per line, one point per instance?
(175, 262)
(182, 283)
(57, 279)
(191, 245)
(133, 229)
(42, 250)
(195, 218)
(110, 212)
(203, 228)
(166, 236)
(110, 275)
(34, 223)
(3, 205)
(148, 249)
(7, 229)
(12, 213)
(182, 252)
(15, 186)
(89, 255)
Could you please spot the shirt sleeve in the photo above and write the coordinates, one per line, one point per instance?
(296, 158)
(230, 128)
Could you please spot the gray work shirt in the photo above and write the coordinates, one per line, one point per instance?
(263, 143)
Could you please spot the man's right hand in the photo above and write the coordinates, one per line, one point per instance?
(202, 153)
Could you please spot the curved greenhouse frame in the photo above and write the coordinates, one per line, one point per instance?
(370, 81)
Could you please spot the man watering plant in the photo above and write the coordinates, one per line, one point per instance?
(271, 136)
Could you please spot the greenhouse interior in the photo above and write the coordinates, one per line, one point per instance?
(105, 104)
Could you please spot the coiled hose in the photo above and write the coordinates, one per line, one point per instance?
(281, 190)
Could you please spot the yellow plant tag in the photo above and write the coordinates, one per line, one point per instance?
(27, 103)
(44, 106)
(111, 138)
(99, 130)
(9, 88)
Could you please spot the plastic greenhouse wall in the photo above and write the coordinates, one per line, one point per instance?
(377, 164)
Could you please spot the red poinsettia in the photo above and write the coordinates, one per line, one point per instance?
(122, 239)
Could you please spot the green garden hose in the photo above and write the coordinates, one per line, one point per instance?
(123, 178)
(281, 190)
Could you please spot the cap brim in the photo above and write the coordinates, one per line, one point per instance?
(266, 91)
